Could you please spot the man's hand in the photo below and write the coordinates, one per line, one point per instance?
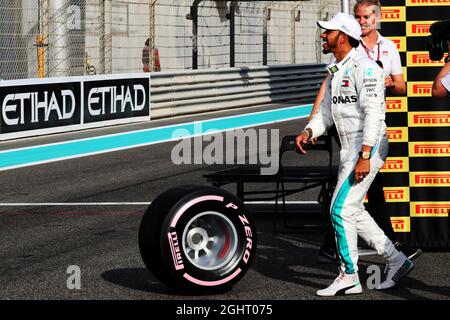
(362, 169)
(301, 139)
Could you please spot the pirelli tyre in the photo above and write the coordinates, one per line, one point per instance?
(197, 238)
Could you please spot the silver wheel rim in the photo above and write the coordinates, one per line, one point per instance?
(209, 240)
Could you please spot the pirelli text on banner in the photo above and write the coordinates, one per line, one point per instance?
(429, 119)
(427, 209)
(430, 179)
(399, 134)
(396, 194)
(396, 104)
(427, 2)
(420, 88)
(396, 164)
(400, 42)
(422, 59)
(418, 28)
(418, 175)
(429, 149)
(401, 224)
(393, 14)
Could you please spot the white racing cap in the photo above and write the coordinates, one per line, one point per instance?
(343, 22)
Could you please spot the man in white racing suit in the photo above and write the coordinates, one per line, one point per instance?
(354, 101)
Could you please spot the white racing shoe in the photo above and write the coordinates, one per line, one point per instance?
(343, 284)
(397, 268)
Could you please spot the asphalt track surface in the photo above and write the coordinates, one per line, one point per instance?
(39, 241)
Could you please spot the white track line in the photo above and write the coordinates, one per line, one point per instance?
(86, 204)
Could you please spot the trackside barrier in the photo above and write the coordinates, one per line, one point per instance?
(52, 105)
(43, 106)
(194, 91)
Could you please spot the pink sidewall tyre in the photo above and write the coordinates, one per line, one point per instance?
(197, 238)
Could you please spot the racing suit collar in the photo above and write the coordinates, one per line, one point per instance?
(333, 68)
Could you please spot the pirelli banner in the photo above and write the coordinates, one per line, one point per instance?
(417, 171)
(42, 106)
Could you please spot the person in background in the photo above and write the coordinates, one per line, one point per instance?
(146, 56)
(441, 84)
(384, 52)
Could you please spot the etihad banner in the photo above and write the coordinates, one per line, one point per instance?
(107, 98)
(397, 134)
(401, 224)
(396, 164)
(429, 149)
(39, 105)
(53, 105)
(429, 119)
(430, 209)
(429, 179)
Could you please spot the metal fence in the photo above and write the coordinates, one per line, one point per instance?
(194, 91)
(80, 37)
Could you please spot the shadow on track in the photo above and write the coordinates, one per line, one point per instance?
(142, 280)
